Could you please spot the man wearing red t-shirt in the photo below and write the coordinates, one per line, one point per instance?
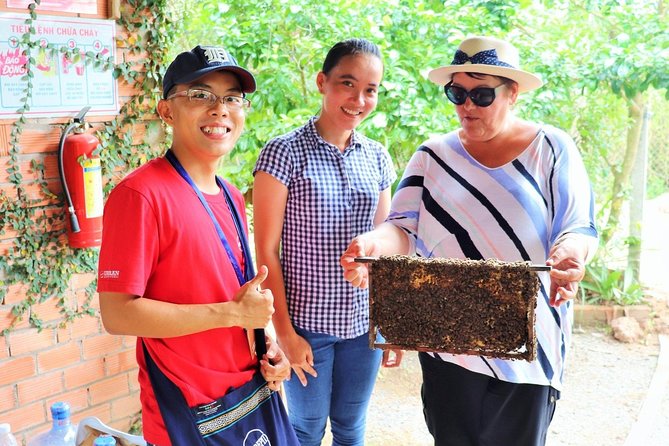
(174, 257)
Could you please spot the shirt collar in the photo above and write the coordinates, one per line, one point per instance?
(311, 128)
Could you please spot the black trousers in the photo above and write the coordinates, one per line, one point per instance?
(464, 408)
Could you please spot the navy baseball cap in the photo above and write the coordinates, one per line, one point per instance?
(191, 65)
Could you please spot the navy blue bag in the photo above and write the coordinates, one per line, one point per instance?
(250, 415)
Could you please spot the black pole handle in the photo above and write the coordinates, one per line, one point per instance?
(261, 346)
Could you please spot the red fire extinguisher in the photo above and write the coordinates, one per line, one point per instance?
(81, 177)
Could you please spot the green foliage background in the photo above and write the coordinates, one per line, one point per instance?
(603, 61)
(600, 71)
(590, 54)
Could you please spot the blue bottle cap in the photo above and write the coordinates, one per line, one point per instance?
(104, 440)
(60, 410)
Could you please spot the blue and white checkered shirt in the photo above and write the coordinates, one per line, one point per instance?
(332, 198)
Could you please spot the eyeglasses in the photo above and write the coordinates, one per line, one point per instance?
(206, 98)
(481, 96)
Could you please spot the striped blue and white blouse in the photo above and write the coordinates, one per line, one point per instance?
(452, 206)
(332, 198)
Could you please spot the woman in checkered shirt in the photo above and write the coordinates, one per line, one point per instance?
(315, 189)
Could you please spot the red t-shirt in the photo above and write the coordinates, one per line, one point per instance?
(158, 242)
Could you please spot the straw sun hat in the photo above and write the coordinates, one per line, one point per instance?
(486, 55)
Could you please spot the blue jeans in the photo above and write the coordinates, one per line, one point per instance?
(347, 370)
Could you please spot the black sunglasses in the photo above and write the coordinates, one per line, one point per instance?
(480, 96)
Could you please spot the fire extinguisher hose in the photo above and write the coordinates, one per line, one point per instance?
(76, 122)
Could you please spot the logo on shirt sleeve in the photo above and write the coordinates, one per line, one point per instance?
(110, 274)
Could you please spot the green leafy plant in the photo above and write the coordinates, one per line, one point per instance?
(605, 285)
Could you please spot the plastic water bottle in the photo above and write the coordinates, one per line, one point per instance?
(62, 432)
(6, 437)
(105, 440)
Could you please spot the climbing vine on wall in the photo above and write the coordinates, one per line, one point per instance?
(39, 258)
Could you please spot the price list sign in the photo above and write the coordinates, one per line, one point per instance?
(63, 83)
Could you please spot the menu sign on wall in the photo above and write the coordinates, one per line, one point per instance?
(62, 84)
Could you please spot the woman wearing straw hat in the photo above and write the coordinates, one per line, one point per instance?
(498, 187)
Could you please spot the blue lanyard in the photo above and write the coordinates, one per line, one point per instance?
(248, 273)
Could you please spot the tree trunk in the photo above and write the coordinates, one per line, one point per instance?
(621, 176)
(639, 179)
